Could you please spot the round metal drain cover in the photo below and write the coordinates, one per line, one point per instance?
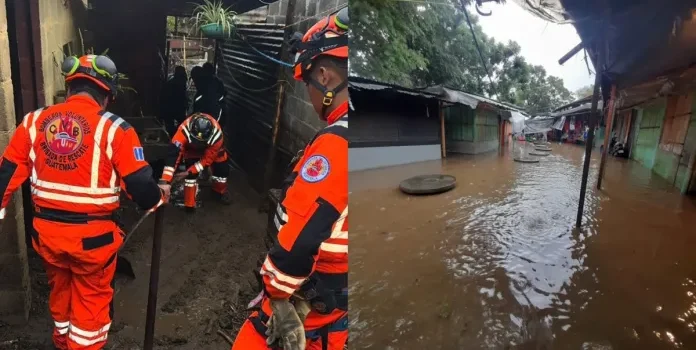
(542, 154)
(428, 184)
(526, 159)
(545, 149)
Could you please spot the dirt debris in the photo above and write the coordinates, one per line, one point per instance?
(206, 279)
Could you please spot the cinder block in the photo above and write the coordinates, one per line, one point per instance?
(274, 9)
(7, 119)
(325, 7)
(3, 15)
(5, 67)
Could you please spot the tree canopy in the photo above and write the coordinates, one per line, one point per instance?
(422, 43)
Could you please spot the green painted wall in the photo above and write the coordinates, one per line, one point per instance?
(471, 131)
(459, 123)
(649, 131)
(689, 150)
(486, 125)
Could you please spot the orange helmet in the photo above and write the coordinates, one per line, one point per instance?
(326, 37)
(101, 70)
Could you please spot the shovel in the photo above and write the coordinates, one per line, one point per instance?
(123, 266)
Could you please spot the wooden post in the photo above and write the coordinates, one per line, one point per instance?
(443, 136)
(599, 70)
(607, 135)
(270, 160)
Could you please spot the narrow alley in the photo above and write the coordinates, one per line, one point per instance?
(501, 265)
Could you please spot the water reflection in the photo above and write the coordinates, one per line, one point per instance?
(497, 262)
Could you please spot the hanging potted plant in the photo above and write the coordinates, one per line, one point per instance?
(214, 20)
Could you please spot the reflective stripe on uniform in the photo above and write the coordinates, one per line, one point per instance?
(62, 327)
(3, 212)
(341, 123)
(110, 146)
(90, 334)
(286, 283)
(73, 199)
(338, 242)
(199, 166)
(74, 189)
(96, 155)
(87, 338)
(31, 120)
(215, 137)
(218, 179)
(186, 132)
(189, 182)
(168, 171)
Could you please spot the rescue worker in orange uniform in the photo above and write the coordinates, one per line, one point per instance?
(78, 156)
(198, 144)
(308, 262)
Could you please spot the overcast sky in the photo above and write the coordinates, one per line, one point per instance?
(542, 42)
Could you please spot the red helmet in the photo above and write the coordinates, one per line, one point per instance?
(326, 37)
(101, 70)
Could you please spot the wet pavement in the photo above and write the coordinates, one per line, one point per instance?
(496, 263)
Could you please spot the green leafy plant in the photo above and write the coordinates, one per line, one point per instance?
(210, 12)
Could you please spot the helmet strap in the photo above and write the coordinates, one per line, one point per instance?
(329, 95)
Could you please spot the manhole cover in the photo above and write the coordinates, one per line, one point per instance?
(526, 159)
(542, 154)
(428, 184)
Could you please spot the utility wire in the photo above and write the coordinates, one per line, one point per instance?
(483, 61)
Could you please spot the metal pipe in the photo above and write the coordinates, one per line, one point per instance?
(154, 280)
(607, 135)
(570, 54)
(590, 133)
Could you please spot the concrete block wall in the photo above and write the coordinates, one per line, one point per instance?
(300, 121)
(15, 293)
(58, 27)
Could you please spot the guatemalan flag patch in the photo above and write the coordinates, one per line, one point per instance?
(138, 153)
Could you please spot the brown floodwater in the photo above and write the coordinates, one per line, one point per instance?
(497, 262)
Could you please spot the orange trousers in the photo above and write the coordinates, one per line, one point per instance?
(249, 338)
(80, 261)
(220, 172)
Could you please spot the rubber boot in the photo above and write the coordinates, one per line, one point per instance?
(190, 189)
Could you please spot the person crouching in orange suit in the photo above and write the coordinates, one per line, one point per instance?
(198, 143)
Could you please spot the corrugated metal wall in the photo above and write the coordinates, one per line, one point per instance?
(649, 133)
(486, 125)
(251, 83)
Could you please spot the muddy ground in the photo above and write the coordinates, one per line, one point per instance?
(206, 278)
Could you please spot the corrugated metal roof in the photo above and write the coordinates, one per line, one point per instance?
(433, 92)
(468, 99)
(368, 84)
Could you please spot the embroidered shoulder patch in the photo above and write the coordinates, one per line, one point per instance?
(139, 154)
(315, 169)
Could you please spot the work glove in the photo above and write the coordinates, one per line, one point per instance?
(302, 307)
(285, 326)
(166, 190)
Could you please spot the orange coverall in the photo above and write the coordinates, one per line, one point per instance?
(197, 157)
(77, 157)
(312, 223)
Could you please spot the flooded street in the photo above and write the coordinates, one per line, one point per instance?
(496, 263)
